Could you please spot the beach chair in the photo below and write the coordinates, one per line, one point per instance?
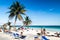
(44, 38)
(15, 35)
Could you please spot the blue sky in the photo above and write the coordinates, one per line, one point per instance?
(41, 12)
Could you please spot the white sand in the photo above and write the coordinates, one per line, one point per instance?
(30, 35)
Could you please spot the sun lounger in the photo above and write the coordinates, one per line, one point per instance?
(50, 34)
(44, 38)
(15, 35)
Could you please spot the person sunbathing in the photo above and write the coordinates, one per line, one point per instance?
(22, 36)
(57, 34)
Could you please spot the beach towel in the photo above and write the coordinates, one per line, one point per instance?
(23, 37)
(44, 38)
(35, 36)
(16, 35)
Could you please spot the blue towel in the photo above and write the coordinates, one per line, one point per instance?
(36, 37)
(16, 35)
(22, 37)
(44, 38)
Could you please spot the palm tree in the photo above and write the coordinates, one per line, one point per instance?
(16, 9)
(27, 21)
(9, 24)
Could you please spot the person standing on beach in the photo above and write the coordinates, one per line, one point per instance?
(43, 31)
(22, 28)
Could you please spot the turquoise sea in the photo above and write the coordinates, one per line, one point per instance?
(50, 28)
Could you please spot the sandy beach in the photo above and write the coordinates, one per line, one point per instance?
(29, 35)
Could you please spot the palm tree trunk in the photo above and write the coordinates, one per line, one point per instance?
(23, 23)
(14, 26)
(14, 23)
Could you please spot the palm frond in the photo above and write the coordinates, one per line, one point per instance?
(19, 17)
(30, 21)
(22, 12)
(27, 21)
(9, 23)
(16, 9)
(17, 4)
(11, 15)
